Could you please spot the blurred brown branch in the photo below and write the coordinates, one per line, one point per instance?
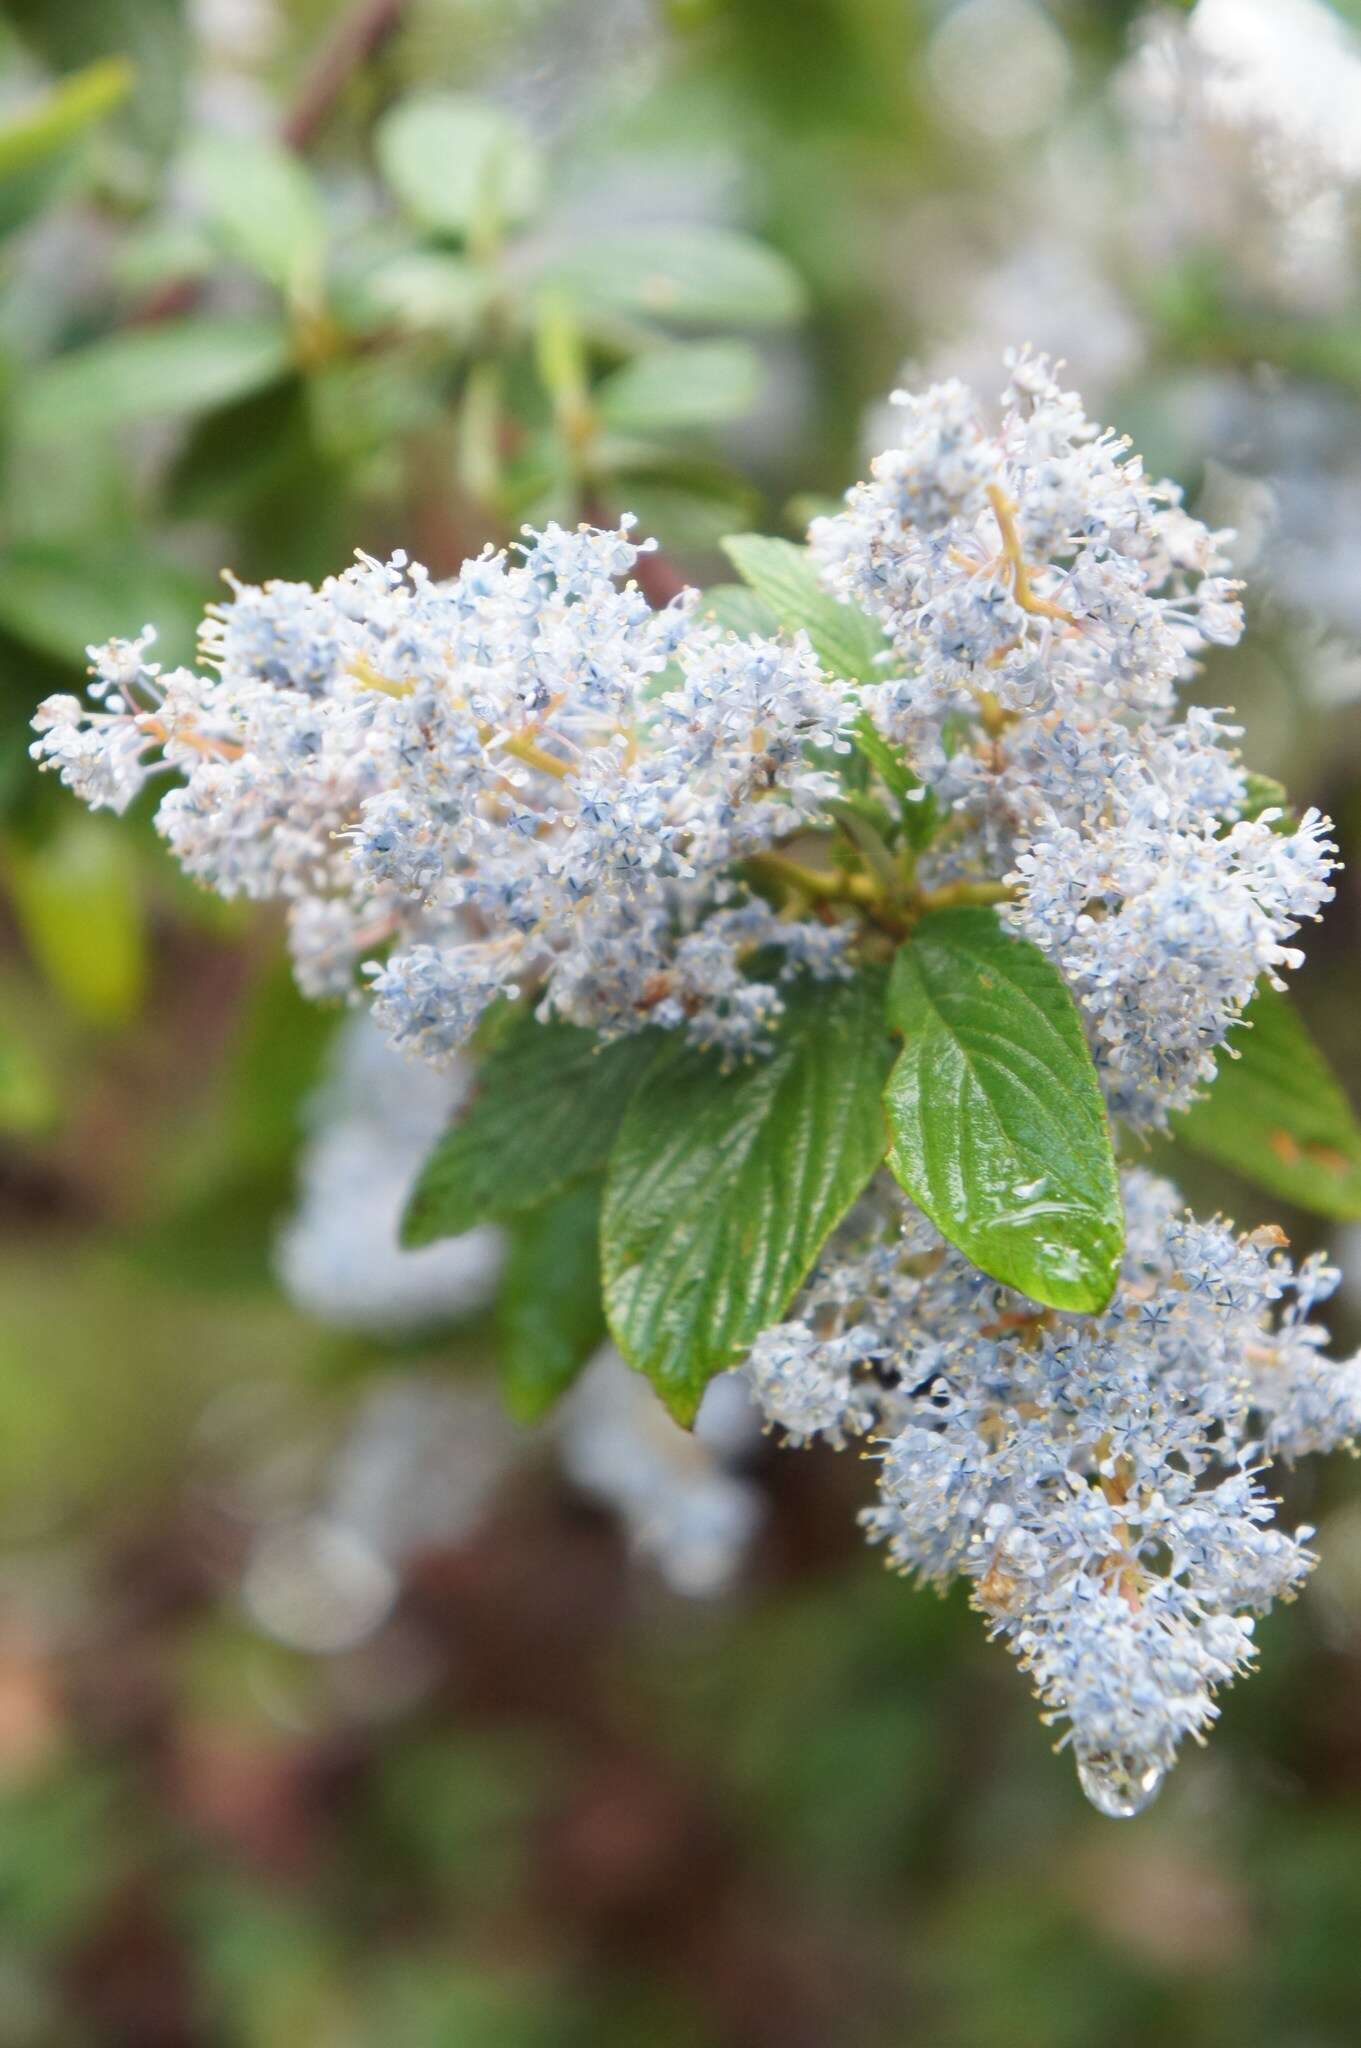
(355, 42)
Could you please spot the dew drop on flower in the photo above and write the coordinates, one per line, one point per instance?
(1119, 1786)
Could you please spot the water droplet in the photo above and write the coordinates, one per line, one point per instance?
(1117, 1785)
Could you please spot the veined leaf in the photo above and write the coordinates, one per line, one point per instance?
(549, 1313)
(549, 1100)
(173, 367)
(723, 1186)
(1277, 1113)
(844, 640)
(997, 1126)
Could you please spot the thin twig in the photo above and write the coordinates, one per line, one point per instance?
(355, 42)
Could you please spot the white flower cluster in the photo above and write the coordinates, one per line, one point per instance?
(1044, 600)
(1097, 1479)
(522, 776)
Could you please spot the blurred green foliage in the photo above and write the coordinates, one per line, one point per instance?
(268, 294)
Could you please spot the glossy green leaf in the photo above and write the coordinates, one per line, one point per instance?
(844, 640)
(264, 205)
(693, 384)
(459, 166)
(174, 366)
(723, 1186)
(548, 1102)
(549, 1313)
(1277, 1113)
(685, 276)
(997, 1126)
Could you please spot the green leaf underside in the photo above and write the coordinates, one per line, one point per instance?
(549, 1314)
(844, 640)
(997, 1127)
(549, 1100)
(1278, 1114)
(723, 1187)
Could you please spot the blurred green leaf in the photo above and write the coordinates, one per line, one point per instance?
(1277, 1114)
(687, 276)
(423, 289)
(738, 607)
(175, 366)
(695, 384)
(59, 600)
(690, 502)
(64, 115)
(459, 166)
(153, 36)
(78, 904)
(30, 1099)
(264, 204)
(549, 1313)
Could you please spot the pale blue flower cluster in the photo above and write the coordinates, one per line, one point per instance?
(525, 776)
(1096, 1479)
(1044, 601)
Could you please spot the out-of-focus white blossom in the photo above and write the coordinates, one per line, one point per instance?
(339, 1257)
(685, 1507)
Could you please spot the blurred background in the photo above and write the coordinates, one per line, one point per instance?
(338, 1705)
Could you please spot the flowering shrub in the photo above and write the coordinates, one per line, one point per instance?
(821, 940)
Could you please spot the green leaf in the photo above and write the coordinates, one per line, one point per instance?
(723, 1186)
(60, 598)
(549, 1313)
(424, 289)
(458, 166)
(707, 277)
(549, 1100)
(692, 384)
(63, 115)
(175, 366)
(1261, 793)
(738, 608)
(916, 804)
(844, 640)
(79, 908)
(264, 205)
(1277, 1113)
(997, 1126)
